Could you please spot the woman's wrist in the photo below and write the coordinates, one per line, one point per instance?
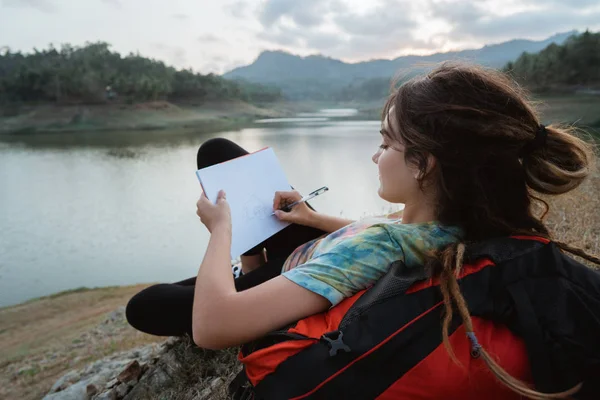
(222, 229)
(312, 219)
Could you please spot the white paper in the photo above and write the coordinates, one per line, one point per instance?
(250, 183)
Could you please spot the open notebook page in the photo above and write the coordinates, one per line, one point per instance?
(250, 183)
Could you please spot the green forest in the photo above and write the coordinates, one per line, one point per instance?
(94, 74)
(575, 63)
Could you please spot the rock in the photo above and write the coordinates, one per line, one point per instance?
(122, 390)
(76, 391)
(175, 369)
(132, 383)
(91, 390)
(64, 381)
(131, 372)
(112, 383)
(155, 379)
(215, 383)
(117, 316)
(107, 395)
(145, 353)
(204, 395)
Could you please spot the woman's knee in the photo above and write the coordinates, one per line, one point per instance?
(140, 307)
(218, 150)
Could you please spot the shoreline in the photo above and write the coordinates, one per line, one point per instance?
(150, 116)
(158, 116)
(67, 292)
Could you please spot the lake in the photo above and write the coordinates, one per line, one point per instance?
(100, 209)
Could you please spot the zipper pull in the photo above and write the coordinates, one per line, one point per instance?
(335, 342)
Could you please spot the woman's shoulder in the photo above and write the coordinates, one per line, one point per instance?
(419, 231)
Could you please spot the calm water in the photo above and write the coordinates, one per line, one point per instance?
(110, 209)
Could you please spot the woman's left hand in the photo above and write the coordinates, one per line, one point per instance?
(214, 215)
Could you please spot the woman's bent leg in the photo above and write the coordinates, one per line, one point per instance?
(166, 309)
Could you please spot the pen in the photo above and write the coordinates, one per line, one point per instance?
(305, 198)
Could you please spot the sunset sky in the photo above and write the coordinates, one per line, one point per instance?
(218, 35)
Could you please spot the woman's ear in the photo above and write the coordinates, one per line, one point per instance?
(431, 164)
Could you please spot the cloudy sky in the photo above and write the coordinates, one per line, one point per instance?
(217, 35)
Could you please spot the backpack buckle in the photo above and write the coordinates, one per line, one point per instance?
(335, 342)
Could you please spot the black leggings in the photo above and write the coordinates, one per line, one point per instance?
(166, 309)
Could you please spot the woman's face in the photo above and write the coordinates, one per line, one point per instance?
(397, 180)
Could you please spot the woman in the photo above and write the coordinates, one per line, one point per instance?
(461, 148)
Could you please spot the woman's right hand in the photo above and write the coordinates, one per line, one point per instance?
(300, 213)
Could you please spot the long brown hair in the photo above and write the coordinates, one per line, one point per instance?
(492, 154)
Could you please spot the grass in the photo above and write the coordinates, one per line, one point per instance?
(580, 109)
(574, 217)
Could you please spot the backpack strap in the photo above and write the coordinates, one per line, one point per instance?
(554, 305)
(503, 248)
(394, 283)
(532, 333)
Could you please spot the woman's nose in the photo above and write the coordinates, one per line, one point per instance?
(375, 157)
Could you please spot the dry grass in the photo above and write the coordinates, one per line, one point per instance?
(584, 110)
(574, 218)
(43, 339)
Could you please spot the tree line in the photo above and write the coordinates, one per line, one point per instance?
(95, 74)
(574, 63)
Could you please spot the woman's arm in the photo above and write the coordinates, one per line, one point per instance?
(222, 317)
(327, 223)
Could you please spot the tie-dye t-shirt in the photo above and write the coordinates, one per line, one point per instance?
(342, 263)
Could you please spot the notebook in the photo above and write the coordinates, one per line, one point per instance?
(250, 183)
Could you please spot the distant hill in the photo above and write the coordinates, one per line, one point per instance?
(317, 76)
(573, 65)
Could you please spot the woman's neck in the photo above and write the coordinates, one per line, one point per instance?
(418, 212)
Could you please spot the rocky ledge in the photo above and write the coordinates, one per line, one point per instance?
(173, 370)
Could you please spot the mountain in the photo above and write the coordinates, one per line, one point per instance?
(313, 76)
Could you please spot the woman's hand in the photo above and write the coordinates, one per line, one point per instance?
(300, 213)
(212, 215)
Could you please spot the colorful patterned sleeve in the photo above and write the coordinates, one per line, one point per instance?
(352, 265)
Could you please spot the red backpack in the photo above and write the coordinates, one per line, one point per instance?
(386, 342)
